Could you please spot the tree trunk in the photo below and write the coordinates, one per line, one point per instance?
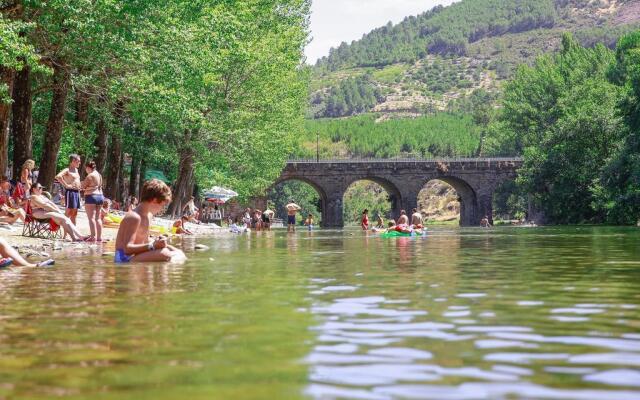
(53, 133)
(101, 144)
(82, 118)
(134, 177)
(112, 171)
(7, 77)
(184, 184)
(123, 190)
(141, 175)
(21, 119)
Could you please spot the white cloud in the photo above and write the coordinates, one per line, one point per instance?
(336, 21)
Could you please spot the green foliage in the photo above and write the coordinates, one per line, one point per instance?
(351, 96)
(365, 195)
(220, 82)
(560, 114)
(441, 31)
(16, 51)
(439, 135)
(301, 193)
(620, 192)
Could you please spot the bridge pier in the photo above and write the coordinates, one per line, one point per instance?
(332, 211)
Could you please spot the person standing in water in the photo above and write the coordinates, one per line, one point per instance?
(292, 210)
(364, 223)
(69, 178)
(309, 222)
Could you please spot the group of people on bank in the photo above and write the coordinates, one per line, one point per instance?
(25, 196)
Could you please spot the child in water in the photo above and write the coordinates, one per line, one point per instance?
(309, 222)
(132, 241)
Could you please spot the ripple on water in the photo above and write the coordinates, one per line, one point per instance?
(474, 391)
(618, 377)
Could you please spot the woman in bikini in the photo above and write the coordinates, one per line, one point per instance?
(93, 199)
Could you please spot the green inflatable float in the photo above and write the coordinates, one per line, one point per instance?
(395, 234)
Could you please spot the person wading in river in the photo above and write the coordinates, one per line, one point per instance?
(69, 178)
(292, 209)
(364, 223)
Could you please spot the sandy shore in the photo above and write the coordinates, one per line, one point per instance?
(35, 247)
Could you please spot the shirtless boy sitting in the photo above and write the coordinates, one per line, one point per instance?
(132, 241)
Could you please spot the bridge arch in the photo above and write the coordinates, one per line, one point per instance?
(318, 187)
(466, 196)
(393, 195)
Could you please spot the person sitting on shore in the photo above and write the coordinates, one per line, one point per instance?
(190, 210)
(484, 222)
(132, 240)
(180, 228)
(10, 256)
(9, 212)
(43, 208)
(237, 227)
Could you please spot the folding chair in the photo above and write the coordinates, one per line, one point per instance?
(40, 228)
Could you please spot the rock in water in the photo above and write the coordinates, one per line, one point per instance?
(201, 247)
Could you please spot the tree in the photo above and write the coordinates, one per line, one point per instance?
(620, 197)
(562, 115)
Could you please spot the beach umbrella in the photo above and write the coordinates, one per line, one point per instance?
(219, 193)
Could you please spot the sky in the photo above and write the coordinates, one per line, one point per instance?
(336, 21)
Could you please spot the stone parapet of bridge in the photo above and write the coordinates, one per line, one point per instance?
(474, 179)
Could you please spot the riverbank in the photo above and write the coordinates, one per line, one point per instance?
(36, 246)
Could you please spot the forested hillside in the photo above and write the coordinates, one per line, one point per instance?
(431, 62)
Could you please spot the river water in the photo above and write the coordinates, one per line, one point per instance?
(549, 313)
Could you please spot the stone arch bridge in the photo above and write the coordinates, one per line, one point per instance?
(474, 179)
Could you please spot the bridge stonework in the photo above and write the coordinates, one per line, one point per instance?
(475, 181)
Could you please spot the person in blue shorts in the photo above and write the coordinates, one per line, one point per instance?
(69, 178)
(132, 240)
(292, 210)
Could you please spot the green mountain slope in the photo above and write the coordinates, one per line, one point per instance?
(435, 61)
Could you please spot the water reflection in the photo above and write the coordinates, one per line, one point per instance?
(547, 313)
(457, 329)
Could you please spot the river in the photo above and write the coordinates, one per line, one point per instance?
(550, 313)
